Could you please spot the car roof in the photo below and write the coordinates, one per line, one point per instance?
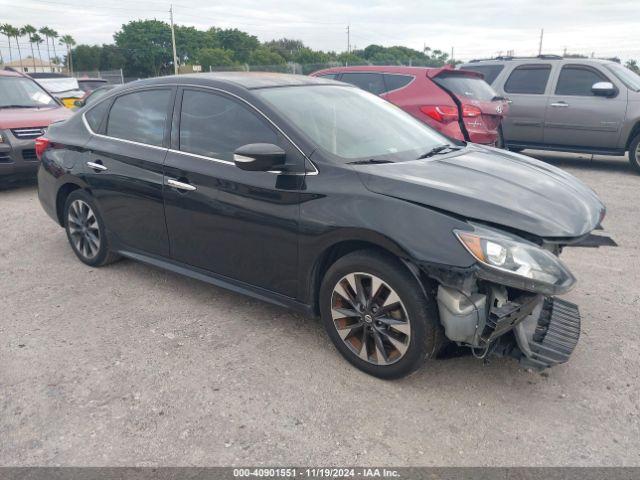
(244, 80)
(533, 60)
(89, 79)
(430, 72)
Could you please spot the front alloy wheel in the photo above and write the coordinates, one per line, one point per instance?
(370, 318)
(378, 315)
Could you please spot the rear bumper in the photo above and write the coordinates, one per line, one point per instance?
(18, 157)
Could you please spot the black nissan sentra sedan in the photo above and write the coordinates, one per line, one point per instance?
(318, 196)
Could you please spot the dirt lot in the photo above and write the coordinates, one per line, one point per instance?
(131, 365)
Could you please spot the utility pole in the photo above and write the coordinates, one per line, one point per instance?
(540, 47)
(348, 39)
(173, 42)
(452, 56)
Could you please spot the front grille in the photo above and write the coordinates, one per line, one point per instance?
(28, 133)
(29, 155)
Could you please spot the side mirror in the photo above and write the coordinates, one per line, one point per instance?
(603, 89)
(259, 157)
(79, 103)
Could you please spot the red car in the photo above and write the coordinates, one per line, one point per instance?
(26, 110)
(458, 103)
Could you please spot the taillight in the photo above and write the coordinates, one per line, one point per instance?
(441, 113)
(471, 111)
(42, 143)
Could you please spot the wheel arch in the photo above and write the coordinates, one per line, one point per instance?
(632, 134)
(61, 197)
(338, 249)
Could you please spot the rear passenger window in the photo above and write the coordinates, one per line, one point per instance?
(394, 82)
(490, 72)
(215, 126)
(575, 80)
(371, 82)
(140, 116)
(528, 79)
(95, 116)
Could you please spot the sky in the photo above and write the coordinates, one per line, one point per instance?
(472, 28)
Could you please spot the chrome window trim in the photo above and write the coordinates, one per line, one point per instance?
(213, 159)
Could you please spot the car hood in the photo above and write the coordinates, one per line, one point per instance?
(32, 117)
(494, 186)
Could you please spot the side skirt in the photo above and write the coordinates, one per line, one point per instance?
(220, 281)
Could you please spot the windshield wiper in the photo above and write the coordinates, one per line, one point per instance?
(17, 106)
(370, 161)
(437, 150)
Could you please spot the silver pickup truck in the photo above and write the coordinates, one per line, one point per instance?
(567, 104)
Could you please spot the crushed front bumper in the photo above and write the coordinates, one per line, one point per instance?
(549, 334)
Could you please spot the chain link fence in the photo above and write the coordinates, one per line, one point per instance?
(114, 77)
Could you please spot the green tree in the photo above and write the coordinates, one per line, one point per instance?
(265, 56)
(189, 41)
(214, 57)
(286, 47)
(87, 57)
(633, 66)
(111, 58)
(350, 59)
(238, 42)
(146, 45)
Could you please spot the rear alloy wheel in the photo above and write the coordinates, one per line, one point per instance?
(85, 230)
(377, 314)
(634, 153)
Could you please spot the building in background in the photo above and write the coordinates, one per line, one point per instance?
(34, 65)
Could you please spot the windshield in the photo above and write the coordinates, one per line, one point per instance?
(471, 87)
(23, 92)
(351, 123)
(626, 76)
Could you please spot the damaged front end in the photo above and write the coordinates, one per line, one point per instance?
(505, 304)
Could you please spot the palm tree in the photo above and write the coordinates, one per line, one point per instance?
(46, 33)
(29, 30)
(69, 42)
(54, 36)
(6, 30)
(37, 39)
(15, 33)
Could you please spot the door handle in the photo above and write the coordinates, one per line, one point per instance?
(180, 185)
(97, 166)
(559, 104)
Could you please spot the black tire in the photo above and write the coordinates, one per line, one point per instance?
(426, 334)
(500, 141)
(515, 149)
(90, 252)
(634, 153)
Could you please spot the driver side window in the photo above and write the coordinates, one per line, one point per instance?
(214, 125)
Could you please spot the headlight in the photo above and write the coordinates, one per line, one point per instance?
(515, 262)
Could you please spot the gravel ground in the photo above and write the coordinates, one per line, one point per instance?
(130, 365)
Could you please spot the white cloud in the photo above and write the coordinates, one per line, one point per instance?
(475, 28)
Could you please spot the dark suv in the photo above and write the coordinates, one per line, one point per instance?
(26, 109)
(319, 196)
(567, 104)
